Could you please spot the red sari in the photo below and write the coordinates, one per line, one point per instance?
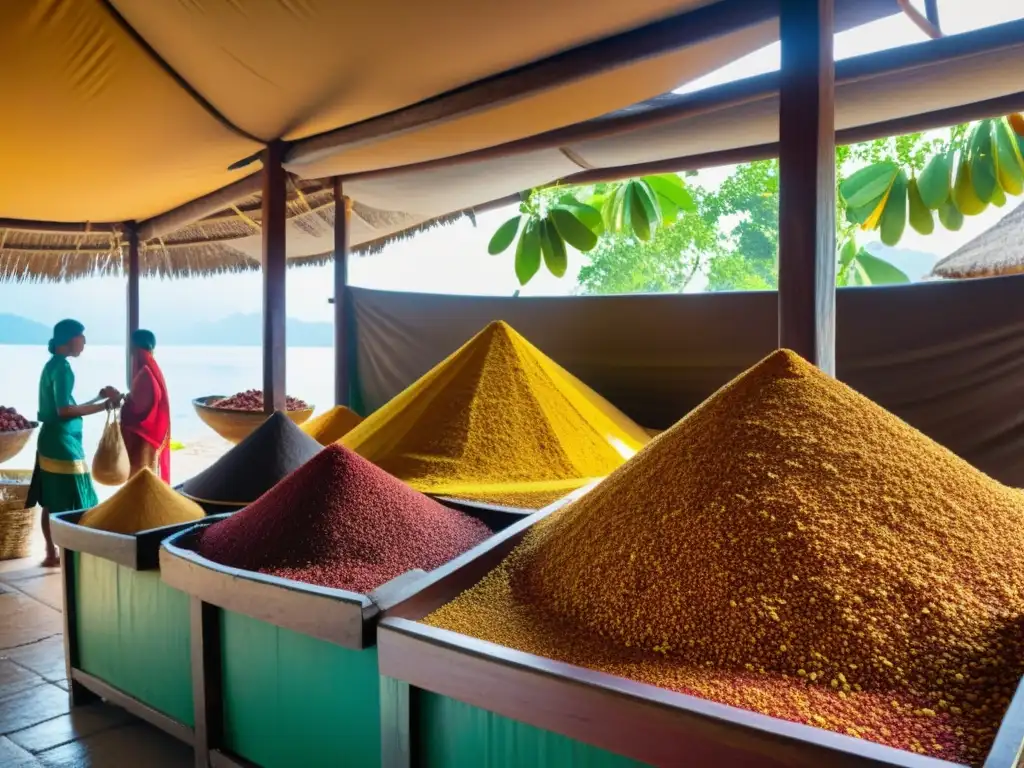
(146, 418)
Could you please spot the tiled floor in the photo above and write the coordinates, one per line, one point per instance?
(37, 728)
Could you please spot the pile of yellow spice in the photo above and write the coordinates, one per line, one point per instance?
(498, 421)
(793, 549)
(143, 503)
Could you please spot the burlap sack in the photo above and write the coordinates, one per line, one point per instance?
(110, 465)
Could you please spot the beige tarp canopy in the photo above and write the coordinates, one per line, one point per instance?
(123, 109)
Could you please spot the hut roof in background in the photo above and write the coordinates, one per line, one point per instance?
(995, 252)
(227, 240)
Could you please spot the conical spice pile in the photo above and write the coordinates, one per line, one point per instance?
(791, 548)
(498, 421)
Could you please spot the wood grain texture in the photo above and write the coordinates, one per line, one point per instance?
(807, 248)
(132, 272)
(638, 721)
(130, 704)
(207, 699)
(139, 551)
(344, 337)
(273, 226)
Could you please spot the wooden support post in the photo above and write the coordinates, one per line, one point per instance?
(274, 268)
(807, 234)
(342, 340)
(133, 270)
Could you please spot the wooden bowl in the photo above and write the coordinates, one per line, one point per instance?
(11, 443)
(235, 426)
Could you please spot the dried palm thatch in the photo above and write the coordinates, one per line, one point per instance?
(226, 241)
(995, 252)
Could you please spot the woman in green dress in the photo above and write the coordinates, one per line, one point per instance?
(61, 481)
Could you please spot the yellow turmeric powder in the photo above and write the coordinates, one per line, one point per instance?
(791, 548)
(497, 421)
(330, 426)
(144, 502)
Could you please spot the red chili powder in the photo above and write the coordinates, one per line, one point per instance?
(339, 521)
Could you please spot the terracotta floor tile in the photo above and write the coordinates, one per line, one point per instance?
(79, 723)
(24, 620)
(15, 679)
(138, 744)
(47, 589)
(45, 658)
(32, 706)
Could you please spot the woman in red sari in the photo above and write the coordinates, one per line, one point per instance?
(146, 414)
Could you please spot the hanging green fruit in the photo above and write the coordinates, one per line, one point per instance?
(1008, 167)
(894, 214)
(936, 180)
(950, 216)
(982, 161)
(964, 194)
(920, 216)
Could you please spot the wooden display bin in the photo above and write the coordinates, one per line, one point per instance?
(288, 670)
(126, 633)
(449, 700)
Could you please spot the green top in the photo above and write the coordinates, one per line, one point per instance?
(59, 438)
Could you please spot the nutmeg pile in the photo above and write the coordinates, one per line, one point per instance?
(791, 548)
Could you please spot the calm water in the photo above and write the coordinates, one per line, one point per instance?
(190, 372)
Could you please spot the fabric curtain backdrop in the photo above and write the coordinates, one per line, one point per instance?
(946, 357)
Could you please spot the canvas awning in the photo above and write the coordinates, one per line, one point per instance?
(995, 252)
(123, 109)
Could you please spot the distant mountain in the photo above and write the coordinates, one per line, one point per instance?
(914, 264)
(246, 331)
(15, 329)
(232, 331)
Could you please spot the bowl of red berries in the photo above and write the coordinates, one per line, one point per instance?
(236, 417)
(15, 431)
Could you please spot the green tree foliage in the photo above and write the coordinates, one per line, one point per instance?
(664, 264)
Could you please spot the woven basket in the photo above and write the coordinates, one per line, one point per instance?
(235, 426)
(11, 443)
(16, 526)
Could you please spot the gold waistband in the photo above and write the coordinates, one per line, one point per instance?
(63, 467)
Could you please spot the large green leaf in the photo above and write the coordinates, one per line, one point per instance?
(503, 238)
(868, 184)
(936, 180)
(847, 253)
(528, 252)
(879, 271)
(672, 188)
(950, 216)
(894, 215)
(862, 214)
(643, 214)
(573, 231)
(918, 213)
(553, 248)
(983, 164)
(587, 214)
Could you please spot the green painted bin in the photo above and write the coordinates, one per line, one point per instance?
(449, 700)
(288, 669)
(126, 633)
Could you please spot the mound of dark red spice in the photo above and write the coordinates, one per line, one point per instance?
(341, 522)
(274, 450)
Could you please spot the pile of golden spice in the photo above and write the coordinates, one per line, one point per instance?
(790, 548)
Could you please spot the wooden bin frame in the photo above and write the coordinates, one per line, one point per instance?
(635, 720)
(139, 552)
(343, 618)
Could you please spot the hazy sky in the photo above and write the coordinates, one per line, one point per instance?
(454, 259)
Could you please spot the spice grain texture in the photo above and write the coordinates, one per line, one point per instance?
(790, 548)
